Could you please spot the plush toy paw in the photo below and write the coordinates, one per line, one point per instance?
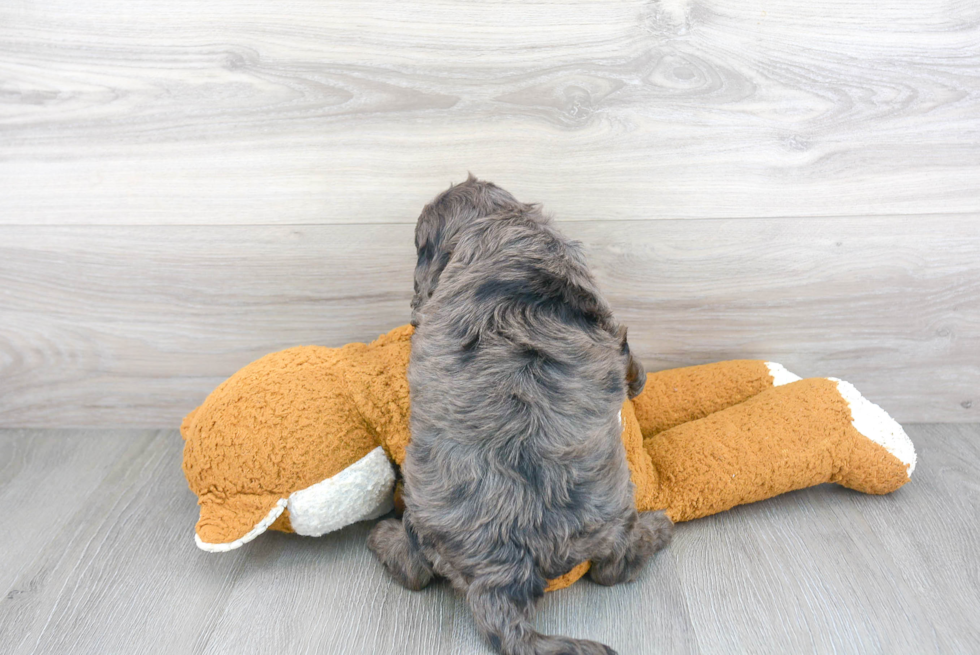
(874, 433)
(360, 492)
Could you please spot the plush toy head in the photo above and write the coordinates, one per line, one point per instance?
(308, 439)
(300, 440)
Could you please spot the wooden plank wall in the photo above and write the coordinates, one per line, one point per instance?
(185, 186)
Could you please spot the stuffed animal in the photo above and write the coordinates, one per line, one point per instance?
(308, 440)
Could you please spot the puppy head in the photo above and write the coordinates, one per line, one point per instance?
(439, 226)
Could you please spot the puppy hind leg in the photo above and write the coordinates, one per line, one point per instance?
(399, 552)
(644, 536)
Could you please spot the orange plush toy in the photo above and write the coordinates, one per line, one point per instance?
(309, 439)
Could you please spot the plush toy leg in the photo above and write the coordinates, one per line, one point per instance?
(788, 437)
(671, 398)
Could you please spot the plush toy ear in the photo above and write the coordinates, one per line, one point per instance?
(361, 492)
(228, 523)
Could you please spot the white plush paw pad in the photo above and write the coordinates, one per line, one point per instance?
(875, 423)
(780, 375)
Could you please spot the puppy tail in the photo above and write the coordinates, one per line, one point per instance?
(503, 611)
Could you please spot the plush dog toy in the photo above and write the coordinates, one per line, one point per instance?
(307, 440)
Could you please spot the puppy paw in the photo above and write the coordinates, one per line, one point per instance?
(391, 545)
(655, 530)
(649, 533)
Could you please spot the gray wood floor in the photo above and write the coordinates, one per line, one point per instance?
(98, 557)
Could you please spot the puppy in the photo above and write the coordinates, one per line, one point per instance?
(516, 471)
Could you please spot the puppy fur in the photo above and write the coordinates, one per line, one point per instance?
(516, 471)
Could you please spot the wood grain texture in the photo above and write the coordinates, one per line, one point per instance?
(356, 112)
(109, 565)
(136, 325)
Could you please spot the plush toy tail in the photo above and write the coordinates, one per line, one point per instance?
(788, 437)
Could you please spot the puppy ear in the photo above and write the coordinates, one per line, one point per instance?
(636, 375)
(432, 257)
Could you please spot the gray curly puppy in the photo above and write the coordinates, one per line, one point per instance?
(516, 471)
